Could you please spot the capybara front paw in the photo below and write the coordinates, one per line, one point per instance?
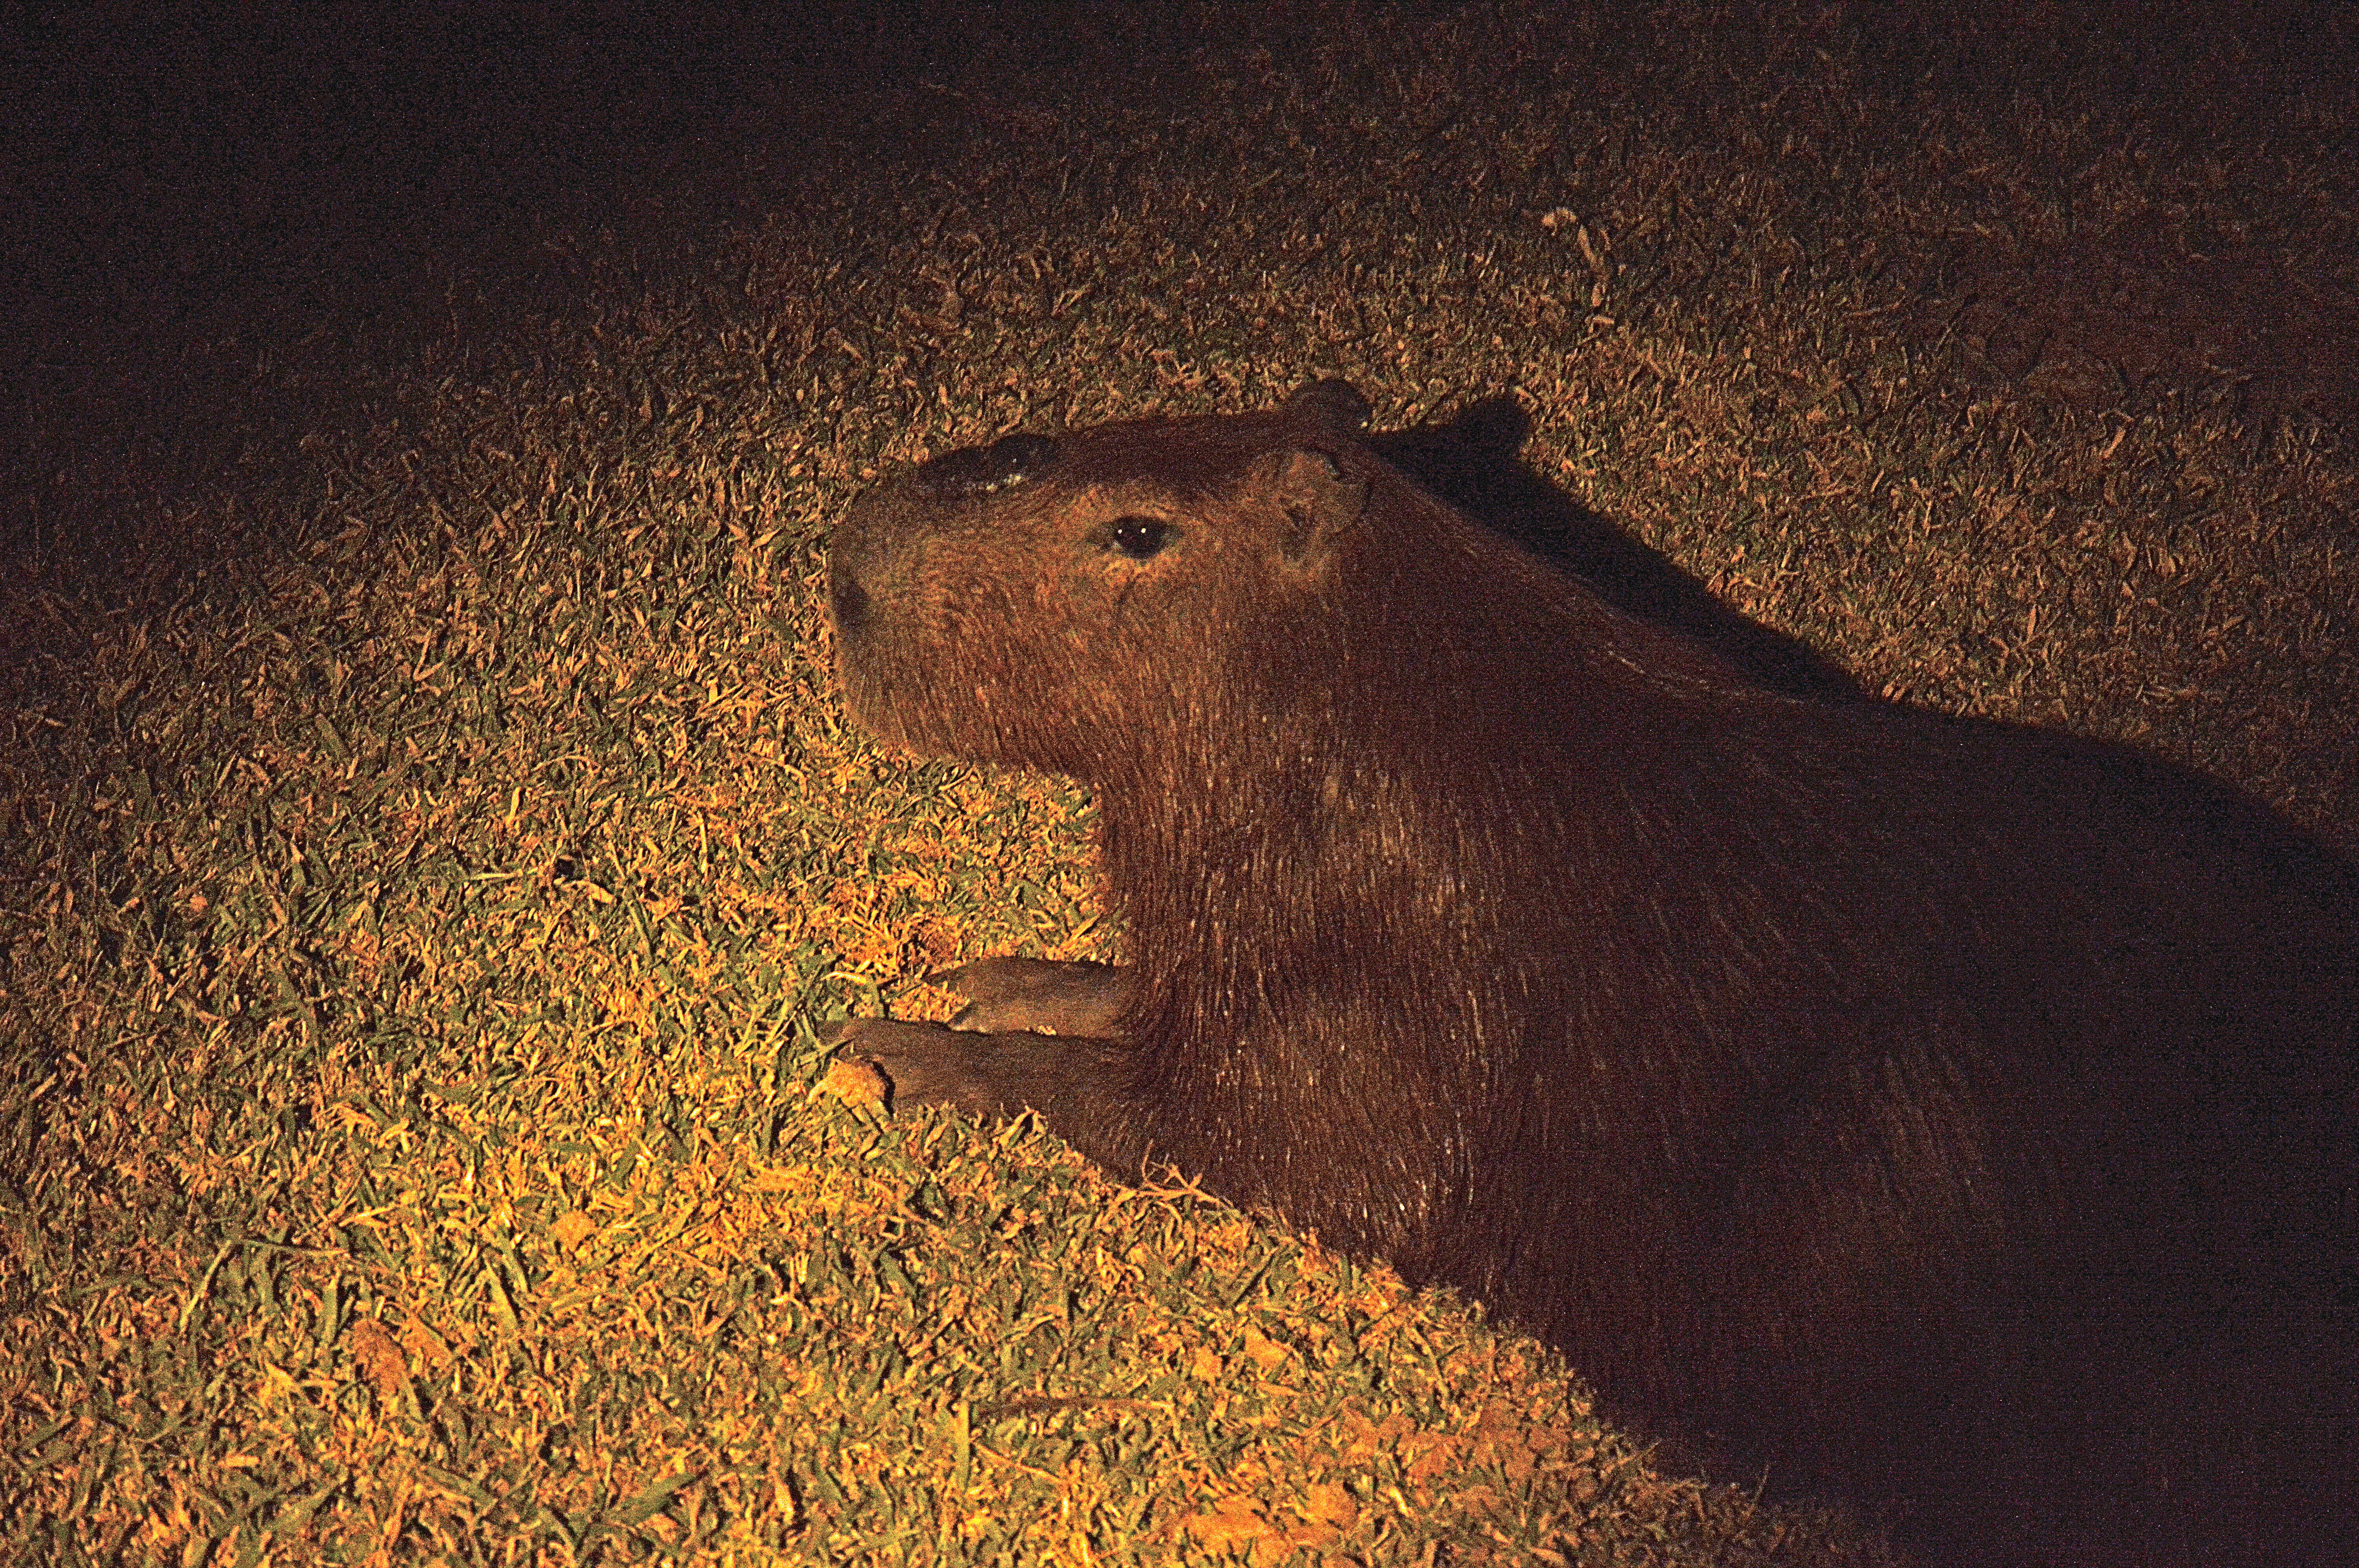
(1039, 996)
(925, 1064)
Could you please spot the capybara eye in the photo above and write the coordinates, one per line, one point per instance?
(1139, 537)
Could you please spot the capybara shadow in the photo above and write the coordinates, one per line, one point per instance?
(1473, 462)
(1952, 1116)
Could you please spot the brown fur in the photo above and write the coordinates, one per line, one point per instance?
(1944, 1114)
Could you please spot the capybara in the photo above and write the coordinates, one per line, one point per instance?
(1953, 1117)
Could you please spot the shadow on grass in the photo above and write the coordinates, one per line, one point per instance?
(1473, 462)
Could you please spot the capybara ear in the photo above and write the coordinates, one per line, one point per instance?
(1332, 404)
(1315, 496)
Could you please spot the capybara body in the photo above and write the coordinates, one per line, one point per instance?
(1950, 1116)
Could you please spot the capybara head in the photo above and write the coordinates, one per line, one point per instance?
(1059, 601)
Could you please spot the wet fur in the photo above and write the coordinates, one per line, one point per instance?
(1950, 1115)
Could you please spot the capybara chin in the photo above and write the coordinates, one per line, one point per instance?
(1948, 1116)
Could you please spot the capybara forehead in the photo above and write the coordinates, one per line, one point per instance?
(1184, 453)
(983, 470)
(1189, 459)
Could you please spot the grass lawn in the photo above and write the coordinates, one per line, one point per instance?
(429, 839)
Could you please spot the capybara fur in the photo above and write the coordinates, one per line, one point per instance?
(1952, 1117)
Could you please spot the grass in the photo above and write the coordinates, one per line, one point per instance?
(431, 841)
